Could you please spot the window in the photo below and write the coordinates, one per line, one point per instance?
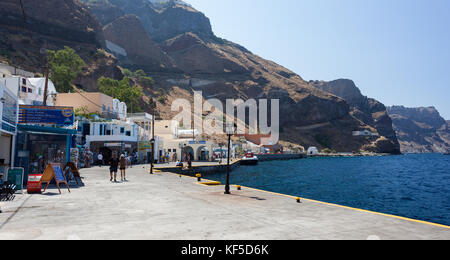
(30, 90)
(170, 150)
(40, 91)
(128, 133)
(122, 130)
(24, 82)
(24, 89)
(174, 150)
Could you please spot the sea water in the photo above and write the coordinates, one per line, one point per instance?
(413, 186)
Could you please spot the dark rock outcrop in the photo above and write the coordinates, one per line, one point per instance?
(420, 130)
(370, 111)
(141, 52)
(176, 45)
(51, 25)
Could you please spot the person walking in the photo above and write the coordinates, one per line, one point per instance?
(100, 159)
(129, 161)
(114, 165)
(123, 167)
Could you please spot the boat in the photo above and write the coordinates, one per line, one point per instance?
(249, 159)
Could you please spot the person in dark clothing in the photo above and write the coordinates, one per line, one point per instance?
(113, 167)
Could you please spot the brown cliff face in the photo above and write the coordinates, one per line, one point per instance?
(420, 130)
(50, 25)
(368, 110)
(222, 69)
(141, 52)
(179, 50)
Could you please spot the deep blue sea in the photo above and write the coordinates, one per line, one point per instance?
(413, 186)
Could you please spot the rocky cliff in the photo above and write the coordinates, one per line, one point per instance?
(28, 31)
(370, 111)
(175, 44)
(420, 130)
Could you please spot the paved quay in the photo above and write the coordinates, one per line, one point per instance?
(167, 206)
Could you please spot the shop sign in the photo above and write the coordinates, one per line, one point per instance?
(8, 111)
(143, 146)
(63, 116)
(113, 145)
(34, 183)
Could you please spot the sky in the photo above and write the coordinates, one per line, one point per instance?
(396, 51)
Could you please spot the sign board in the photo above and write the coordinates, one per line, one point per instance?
(59, 175)
(113, 144)
(63, 116)
(74, 170)
(34, 183)
(143, 146)
(15, 176)
(8, 111)
(54, 172)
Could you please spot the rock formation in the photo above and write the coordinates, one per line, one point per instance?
(370, 111)
(420, 130)
(175, 44)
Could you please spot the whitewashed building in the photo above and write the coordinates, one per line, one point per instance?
(30, 90)
(8, 127)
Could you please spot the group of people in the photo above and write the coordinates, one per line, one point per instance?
(166, 158)
(117, 163)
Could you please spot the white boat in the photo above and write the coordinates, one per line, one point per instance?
(249, 159)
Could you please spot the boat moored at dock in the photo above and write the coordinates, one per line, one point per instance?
(249, 159)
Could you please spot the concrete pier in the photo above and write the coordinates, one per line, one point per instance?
(167, 206)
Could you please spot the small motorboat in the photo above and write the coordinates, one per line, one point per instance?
(249, 159)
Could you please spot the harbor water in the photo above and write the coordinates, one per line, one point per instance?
(412, 186)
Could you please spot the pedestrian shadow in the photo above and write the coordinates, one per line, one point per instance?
(249, 197)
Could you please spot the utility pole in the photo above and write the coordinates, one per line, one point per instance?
(47, 71)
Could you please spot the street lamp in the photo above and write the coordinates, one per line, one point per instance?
(230, 129)
(152, 159)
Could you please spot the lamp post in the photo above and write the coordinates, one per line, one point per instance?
(152, 159)
(152, 142)
(230, 129)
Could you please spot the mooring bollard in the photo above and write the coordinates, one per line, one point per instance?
(298, 200)
(238, 187)
(199, 177)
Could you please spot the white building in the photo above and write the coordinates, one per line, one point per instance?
(120, 108)
(30, 90)
(9, 71)
(313, 151)
(112, 136)
(177, 142)
(8, 127)
(364, 133)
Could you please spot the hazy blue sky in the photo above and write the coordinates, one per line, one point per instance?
(397, 51)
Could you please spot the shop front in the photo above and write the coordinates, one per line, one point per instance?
(8, 128)
(38, 146)
(44, 136)
(110, 148)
